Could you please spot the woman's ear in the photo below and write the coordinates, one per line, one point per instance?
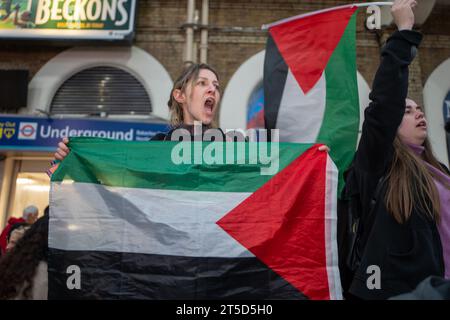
(179, 96)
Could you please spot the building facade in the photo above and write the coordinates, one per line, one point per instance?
(168, 34)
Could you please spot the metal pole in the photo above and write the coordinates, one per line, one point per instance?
(189, 32)
(6, 190)
(204, 32)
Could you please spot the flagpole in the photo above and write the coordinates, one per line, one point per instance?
(304, 15)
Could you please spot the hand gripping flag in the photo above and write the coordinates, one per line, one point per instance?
(138, 226)
(310, 85)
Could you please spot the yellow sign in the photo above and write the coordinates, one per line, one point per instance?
(8, 129)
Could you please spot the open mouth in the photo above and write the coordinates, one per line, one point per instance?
(422, 124)
(209, 104)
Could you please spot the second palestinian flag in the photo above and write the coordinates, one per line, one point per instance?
(310, 85)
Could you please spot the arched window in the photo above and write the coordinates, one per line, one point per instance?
(71, 83)
(436, 100)
(101, 91)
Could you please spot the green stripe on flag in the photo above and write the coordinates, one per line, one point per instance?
(341, 119)
(149, 165)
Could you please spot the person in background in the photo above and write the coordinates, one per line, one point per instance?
(4, 235)
(15, 234)
(29, 216)
(23, 269)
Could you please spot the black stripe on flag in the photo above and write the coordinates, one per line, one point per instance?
(275, 74)
(115, 275)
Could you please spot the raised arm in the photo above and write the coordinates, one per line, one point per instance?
(389, 91)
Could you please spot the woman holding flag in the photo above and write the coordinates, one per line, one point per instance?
(403, 190)
(194, 97)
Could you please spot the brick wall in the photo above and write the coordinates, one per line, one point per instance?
(26, 57)
(159, 32)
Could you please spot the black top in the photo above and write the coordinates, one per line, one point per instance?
(190, 128)
(405, 253)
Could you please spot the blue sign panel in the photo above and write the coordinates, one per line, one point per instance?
(43, 134)
(255, 110)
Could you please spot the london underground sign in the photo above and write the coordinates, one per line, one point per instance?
(43, 134)
(27, 131)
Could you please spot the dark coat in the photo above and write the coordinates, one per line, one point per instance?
(168, 136)
(405, 253)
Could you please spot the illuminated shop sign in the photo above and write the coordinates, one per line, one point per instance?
(67, 19)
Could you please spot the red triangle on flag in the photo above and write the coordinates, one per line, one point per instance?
(306, 44)
(283, 224)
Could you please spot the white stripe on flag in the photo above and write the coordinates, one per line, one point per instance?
(300, 116)
(93, 217)
(334, 279)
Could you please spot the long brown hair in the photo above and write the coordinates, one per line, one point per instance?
(188, 76)
(411, 184)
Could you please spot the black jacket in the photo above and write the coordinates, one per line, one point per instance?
(405, 253)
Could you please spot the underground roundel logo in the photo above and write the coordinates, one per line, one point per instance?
(27, 131)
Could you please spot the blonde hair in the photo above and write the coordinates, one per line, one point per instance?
(411, 183)
(189, 75)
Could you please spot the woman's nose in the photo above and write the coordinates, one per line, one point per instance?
(419, 114)
(211, 88)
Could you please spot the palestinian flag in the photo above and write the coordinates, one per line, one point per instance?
(139, 226)
(310, 85)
